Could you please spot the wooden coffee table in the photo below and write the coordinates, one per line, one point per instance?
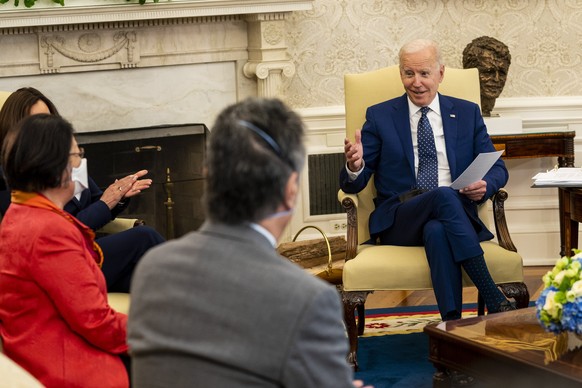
(508, 349)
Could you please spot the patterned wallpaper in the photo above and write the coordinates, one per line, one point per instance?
(351, 36)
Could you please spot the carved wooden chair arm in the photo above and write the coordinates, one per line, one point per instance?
(501, 230)
(350, 204)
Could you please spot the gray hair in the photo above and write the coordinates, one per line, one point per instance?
(418, 45)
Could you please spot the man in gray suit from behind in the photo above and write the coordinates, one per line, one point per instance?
(219, 307)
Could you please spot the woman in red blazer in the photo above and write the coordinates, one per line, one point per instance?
(54, 317)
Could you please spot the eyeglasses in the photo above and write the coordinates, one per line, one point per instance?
(80, 154)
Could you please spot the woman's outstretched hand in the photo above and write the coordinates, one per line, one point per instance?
(126, 187)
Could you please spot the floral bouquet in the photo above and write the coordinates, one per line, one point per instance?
(559, 307)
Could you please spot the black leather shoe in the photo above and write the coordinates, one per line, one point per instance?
(452, 316)
(506, 306)
(460, 379)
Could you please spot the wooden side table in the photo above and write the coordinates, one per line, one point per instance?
(549, 144)
(537, 145)
(571, 216)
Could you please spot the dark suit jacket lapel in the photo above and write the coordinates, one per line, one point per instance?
(449, 116)
(402, 125)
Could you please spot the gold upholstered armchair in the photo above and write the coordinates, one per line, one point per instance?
(385, 267)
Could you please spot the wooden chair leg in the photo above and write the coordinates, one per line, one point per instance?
(361, 318)
(352, 301)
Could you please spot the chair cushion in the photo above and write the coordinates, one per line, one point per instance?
(117, 225)
(390, 267)
(119, 301)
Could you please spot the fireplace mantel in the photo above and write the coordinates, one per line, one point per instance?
(47, 13)
(95, 35)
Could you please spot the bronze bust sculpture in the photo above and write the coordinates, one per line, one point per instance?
(491, 57)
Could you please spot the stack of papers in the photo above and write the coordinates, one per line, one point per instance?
(559, 177)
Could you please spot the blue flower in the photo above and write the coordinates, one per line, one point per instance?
(559, 307)
(572, 316)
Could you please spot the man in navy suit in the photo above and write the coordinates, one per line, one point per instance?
(410, 212)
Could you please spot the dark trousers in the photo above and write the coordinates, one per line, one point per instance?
(438, 221)
(122, 251)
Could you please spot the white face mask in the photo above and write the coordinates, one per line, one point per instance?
(80, 178)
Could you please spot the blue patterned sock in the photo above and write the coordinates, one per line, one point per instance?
(477, 270)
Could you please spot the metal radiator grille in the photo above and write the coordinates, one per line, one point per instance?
(324, 183)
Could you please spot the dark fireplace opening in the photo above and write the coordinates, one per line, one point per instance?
(174, 155)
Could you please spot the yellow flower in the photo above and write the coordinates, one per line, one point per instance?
(552, 307)
(575, 291)
(561, 264)
(559, 278)
(547, 279)
(559, 307)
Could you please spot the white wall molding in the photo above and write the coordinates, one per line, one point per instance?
(550, 113)
(107, 35)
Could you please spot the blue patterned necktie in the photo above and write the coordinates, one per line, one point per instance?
(428, 173)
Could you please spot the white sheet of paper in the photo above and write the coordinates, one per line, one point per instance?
(477, 170)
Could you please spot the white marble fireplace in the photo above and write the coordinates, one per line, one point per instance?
(114, 64)
(110, 64)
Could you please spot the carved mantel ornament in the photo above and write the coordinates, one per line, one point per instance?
(88, 35)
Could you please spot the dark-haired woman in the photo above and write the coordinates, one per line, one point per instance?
(90, 205)
(54, 317)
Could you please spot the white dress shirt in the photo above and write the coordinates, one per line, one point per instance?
(436, 123)
(265, 233)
